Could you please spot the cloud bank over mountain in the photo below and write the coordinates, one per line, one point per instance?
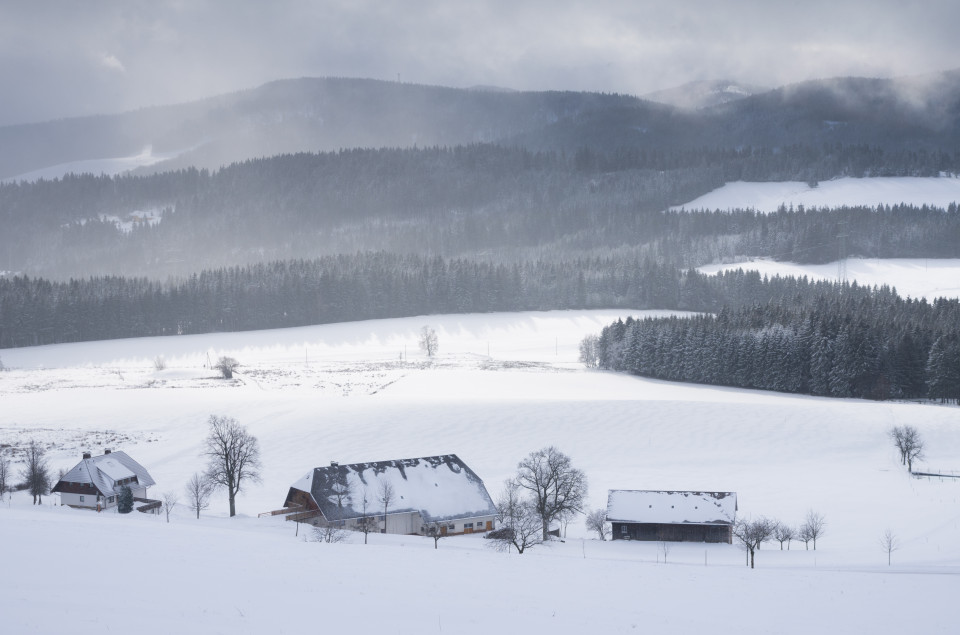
(100, 57)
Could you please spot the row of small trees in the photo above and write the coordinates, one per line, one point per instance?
(753, 533)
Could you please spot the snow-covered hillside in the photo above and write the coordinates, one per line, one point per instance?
(913, 277)
(110, 167)
(364, 392)
(767, 197)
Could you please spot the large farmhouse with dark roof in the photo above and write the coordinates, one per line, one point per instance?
(95, 481)
(438, 491)
(672, 516)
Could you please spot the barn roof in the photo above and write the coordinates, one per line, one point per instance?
(440, 488)
(669, 507)
(102, 472)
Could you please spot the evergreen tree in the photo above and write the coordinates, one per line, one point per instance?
(125, 500)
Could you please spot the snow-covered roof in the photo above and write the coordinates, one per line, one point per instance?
(441, 488)
(664, 507)
(102, 472)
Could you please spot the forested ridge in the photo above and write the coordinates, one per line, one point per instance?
(480, 201)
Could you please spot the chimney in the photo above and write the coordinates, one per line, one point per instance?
(334, 464)
(86, 455)
(106, 451)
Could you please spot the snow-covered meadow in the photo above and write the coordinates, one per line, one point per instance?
(767, 197)
(501, 387)
(912, 277)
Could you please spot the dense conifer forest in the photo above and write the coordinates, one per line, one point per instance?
(843, 342)
(481, 202)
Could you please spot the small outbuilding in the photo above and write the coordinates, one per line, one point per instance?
(670, 516)
(95, 482)
(428, 493)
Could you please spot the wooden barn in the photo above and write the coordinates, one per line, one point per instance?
(433, 492)
(672, 516)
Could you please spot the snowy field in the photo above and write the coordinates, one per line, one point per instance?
(767, 197)
(501, 387)
(913, 277)
(110, 167)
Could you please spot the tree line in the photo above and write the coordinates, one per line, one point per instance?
(847, 342)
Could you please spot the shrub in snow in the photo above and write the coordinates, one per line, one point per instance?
(125, 500)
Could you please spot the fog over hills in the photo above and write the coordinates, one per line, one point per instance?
(321, 114)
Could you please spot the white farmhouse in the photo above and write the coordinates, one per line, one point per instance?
(95, 482)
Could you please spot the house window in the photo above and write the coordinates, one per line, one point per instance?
(81, 499)
(109, 499)
(468, 525)
(623, 529)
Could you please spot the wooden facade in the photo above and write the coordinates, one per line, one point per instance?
(672, 532)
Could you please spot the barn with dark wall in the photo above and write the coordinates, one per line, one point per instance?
(672, 516)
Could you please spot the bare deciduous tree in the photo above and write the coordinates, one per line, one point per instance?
(329, 533)
(367, 522)
(199, 489)
(908, 442)
(597, 521)
(5, 474)
(435, 531)
(36, 473)
(227, 366)
(385, 495)
(556, 486)
(753, 533)
(813, 527)
(521, 525)
(428, 341)
(233, 456)
(890, 543)
(170, 500)
(340, 491)
(783, 533)
(589, 355)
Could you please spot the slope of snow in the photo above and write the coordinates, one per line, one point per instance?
(767, 197)
(913, 277)
(110, 167)
(351, 398)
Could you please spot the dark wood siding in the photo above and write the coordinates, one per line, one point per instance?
(672, 533)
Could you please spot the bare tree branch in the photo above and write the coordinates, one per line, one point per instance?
(170, 501)
(555, 485)
(199, 489)
(233, 457)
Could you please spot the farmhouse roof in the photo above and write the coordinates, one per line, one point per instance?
(669, 507)
(440, 488)
(102, 472)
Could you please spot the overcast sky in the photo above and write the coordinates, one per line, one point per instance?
(63, 58)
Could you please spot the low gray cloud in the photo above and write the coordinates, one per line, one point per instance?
(68, 58)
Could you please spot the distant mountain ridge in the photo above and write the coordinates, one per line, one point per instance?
(324, 114)
(704, 94)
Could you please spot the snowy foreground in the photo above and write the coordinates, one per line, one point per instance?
(502, 386)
